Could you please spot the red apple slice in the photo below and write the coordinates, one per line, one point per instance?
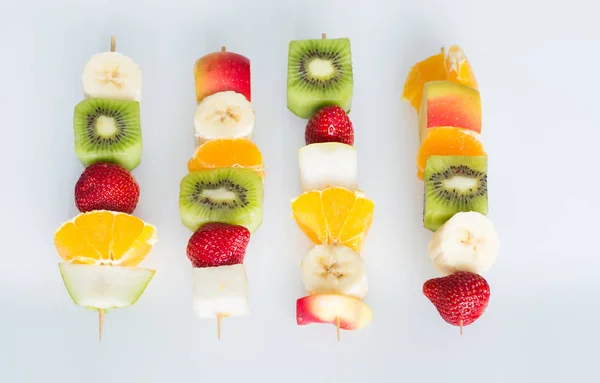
(326, 308)
(447, 103)
(221, 72)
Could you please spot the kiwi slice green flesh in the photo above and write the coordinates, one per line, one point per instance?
(319, 74)
(454, 184)
(108, 131)
(227, 195)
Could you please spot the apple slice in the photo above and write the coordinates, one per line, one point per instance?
(221, 72)
(447, 103)
(104, 287)
(326, 308)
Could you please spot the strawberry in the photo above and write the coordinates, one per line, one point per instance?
(460, 298)
(106, 186)
(218, 244)
(330, 124)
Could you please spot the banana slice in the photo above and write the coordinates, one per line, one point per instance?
(112, 75)
(223, 115)
(466, 242)
(334, 269)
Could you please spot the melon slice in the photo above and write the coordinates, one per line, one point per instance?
(104, 287)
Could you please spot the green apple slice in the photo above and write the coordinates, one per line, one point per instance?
(104, 287)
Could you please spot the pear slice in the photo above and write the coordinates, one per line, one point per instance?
(104, 287)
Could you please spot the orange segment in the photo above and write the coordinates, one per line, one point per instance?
(97, 229)
(106, 238)
(358, 223)
(458, 67)
(448, 141)
(227, 153)
(453, 66)
(71, 243)
(335, 216)
(430, 69)
(310, 216)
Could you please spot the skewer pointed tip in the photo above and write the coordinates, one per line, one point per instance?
(219, 318)
(223, 48)
(323, 36)
(337, 325)
(100, 323)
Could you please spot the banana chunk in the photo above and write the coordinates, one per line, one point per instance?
(112, 75)
(334, 269)
(223, 115)
(466, 242)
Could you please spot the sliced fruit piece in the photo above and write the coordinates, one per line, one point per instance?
(218, 244)
(453, 67)
(223, 115)
(454, 184)
(353, 313)
(448, 141)
(112, 75)
(335, 216)
(228, 153)
(330, 124)
(104, 237)
(447, 103)
(460, 298)
(466, 242)
(221, 72)
(221, 290)
(104, 287)
(334, 269)
(227, 195)
(319, 74)
(108, 131)
(458, 67)
(328, 164)
(106, 186)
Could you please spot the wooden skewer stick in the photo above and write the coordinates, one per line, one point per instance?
(223, 49)
(461, 326)
(323, 36)
(113, 43)
(100, 323)
(337, 325)
(219, 318)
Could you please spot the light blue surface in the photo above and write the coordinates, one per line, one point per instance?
(540, 130)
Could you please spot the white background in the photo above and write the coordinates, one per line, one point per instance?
(537, 66)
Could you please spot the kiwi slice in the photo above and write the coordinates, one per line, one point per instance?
(108, 131)
(319, 74)
(454, 184)
(228, 195)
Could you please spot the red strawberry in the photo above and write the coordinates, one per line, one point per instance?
(330, 124)
(106, 186)
(460, 298)
(218, 244)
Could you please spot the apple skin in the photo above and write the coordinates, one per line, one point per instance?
(447, 103)
(324, 308)
(220, 72)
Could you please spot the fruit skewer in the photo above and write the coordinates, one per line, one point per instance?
(332, 211)
(452, 163)
(221, 197)
(102, 246)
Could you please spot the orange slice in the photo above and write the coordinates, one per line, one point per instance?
(103, 237)
(448, 141)
(335, 216)
(452, 66)
(228, 153)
